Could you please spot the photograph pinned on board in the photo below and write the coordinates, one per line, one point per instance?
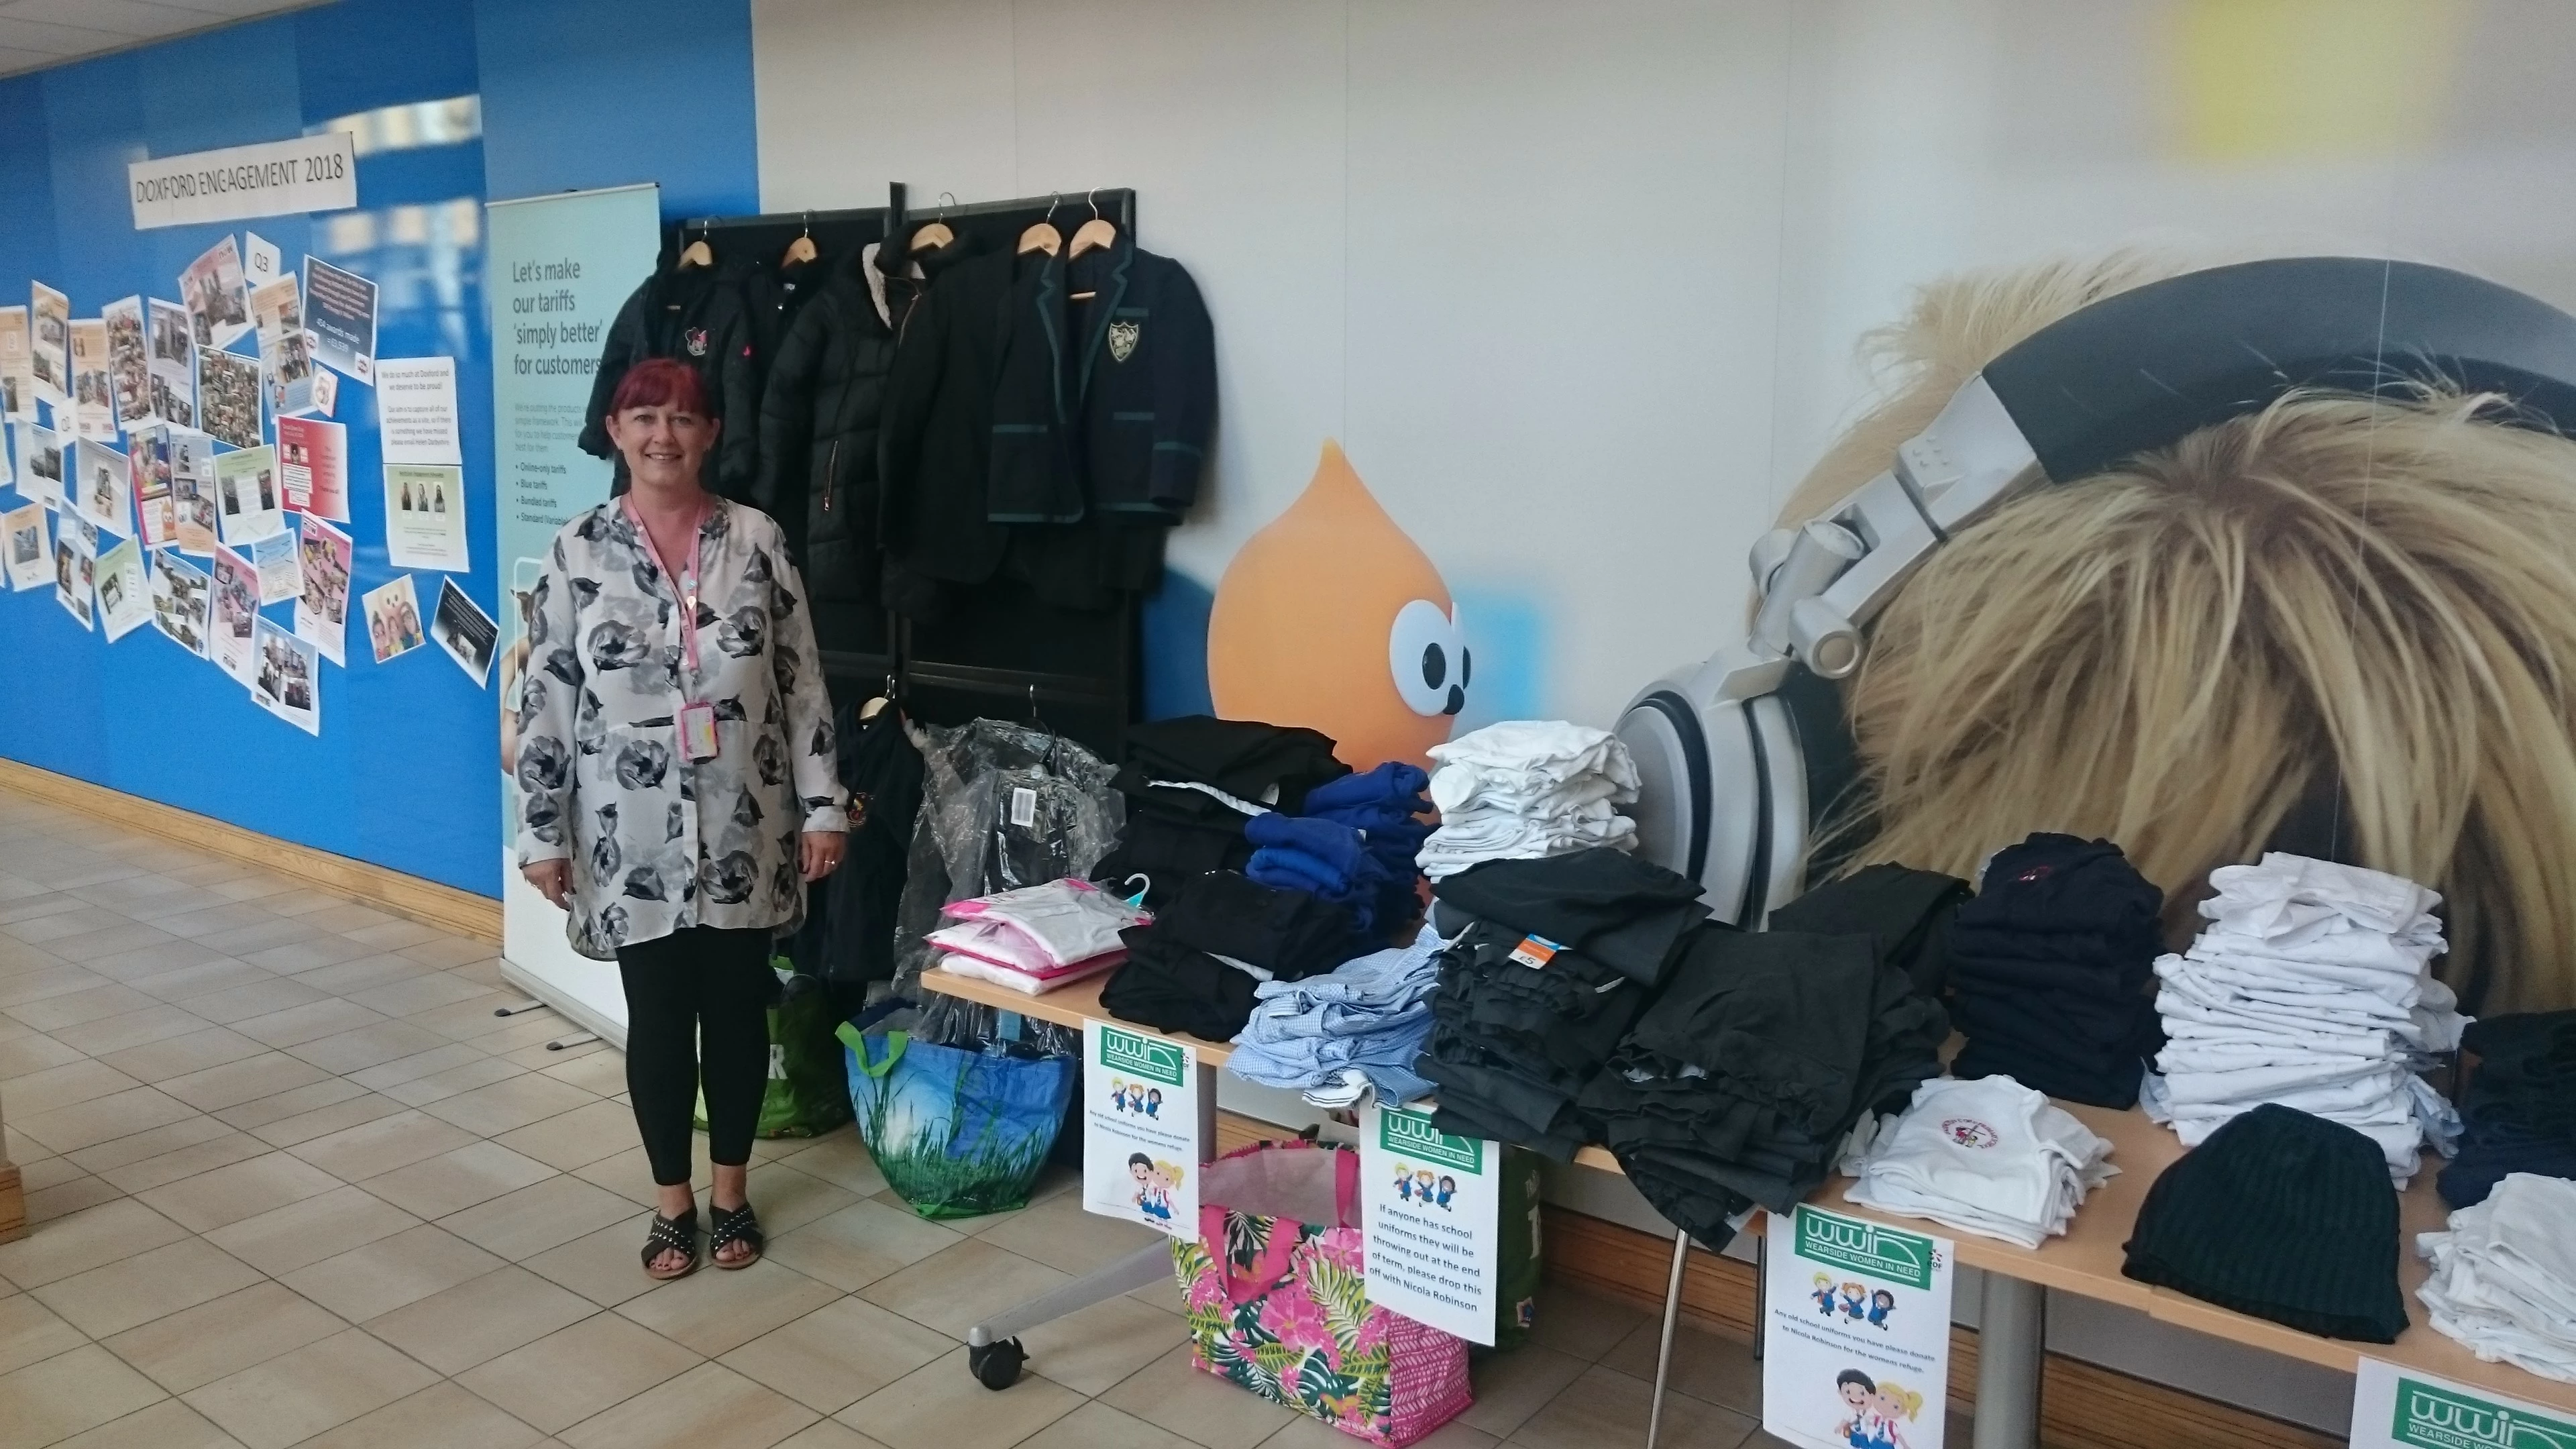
(93, 384)
(286, 679)
(462, 629)
(72, 567)
(173, 358)
(124, 599)
(322, 605)
(216, 295)
(236, 613)
(280, 569)
(150, 450)
(181, 596)
(425, 516)
(8, 466)
(313, 466)
(192, 490)
(100, 480)
(49, 342)
(228, 397)
(129, 371)
(340, 312)
(393, 618)
(248, 507)
(285, 353)
(40, 464)
(326, 391)
(17, 365)
(29, 548)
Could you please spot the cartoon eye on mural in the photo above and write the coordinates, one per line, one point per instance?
(1332, 618)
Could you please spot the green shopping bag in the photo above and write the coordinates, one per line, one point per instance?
(805, 1096)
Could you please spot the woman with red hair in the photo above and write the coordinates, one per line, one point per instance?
(677, 787)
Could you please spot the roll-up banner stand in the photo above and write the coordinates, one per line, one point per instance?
(559, 268)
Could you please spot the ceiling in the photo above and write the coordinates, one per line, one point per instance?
(35, 34)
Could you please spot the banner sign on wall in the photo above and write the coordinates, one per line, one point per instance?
(1431, 1207)
(569, 260)
(308, 173)
(1140, 1129)
(2394, 1408)
(1856, 1332)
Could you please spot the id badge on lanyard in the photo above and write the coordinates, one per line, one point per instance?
(697, 720)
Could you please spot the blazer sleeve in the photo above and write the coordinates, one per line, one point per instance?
(548, 692)
(625, 348)
(787, 415)
(1184, 395)
(813, 756)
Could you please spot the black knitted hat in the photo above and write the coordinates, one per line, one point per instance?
(2284, 1216)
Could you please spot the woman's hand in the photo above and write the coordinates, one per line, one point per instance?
(553, 878)
(822, 853)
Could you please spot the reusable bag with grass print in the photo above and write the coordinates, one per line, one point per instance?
(1278, 1298)
(958, 1133)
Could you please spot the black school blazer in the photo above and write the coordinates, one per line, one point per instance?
(1106, 404)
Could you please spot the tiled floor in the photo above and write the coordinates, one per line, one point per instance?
(295, 1183)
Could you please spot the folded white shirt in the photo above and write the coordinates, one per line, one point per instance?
(1988, 1156)
(1457, 789)
(2288, 893)
(1539, 753)
(1060, 922)
(2504, 1276)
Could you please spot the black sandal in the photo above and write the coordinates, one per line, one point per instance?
(667, 1235)
(734, 1225)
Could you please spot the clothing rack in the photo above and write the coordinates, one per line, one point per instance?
(1001, 654)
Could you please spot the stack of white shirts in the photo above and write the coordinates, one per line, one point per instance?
(1038, 937)
(1988, 1156)
(2310, 988)
(1527, 790)
(2504, 1276)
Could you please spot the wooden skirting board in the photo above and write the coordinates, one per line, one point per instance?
(460, 913)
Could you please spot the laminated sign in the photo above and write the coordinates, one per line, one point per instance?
(2393, 1407)
(1856, 1346)
(1140, 1129)
(1431, 1209)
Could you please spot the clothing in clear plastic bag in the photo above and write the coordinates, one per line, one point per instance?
(1003, 806)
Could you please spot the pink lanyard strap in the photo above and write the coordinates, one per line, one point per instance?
(685, 584)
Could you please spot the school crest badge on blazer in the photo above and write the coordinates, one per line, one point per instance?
(1122, 339)
(697, 339)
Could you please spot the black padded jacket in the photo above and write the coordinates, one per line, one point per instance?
(818, 435)
(699, 315)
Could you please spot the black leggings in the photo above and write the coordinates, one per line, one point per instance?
(702, 990)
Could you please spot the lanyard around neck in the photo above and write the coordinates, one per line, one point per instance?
(684, 584)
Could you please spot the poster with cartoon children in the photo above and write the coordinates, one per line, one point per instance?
(1430, 1204)
(1140, 1136)
(1857, 1349)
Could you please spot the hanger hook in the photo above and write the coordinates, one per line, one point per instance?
(1094, 198)
(947, 201)
(809, 223)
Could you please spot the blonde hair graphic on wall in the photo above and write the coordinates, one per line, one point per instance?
(2340, 626)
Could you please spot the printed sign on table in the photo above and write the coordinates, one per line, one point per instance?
(1431, 1206)
(2398, 1408)
(1140, 1129)
(1856, 1345)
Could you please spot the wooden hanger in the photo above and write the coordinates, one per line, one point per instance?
(801, 249)
(698, 254)
(1043, 237)
(937, 233)
(1097, 232)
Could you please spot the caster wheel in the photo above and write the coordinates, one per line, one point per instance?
(997, 1365)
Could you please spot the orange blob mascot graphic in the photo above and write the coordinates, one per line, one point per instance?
(1331, 618)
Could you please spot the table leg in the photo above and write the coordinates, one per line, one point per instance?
(2012, 1335)
(1664, 1344)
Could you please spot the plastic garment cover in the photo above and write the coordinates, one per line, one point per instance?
(1003, 807)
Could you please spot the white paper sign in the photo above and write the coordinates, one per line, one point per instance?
(1431, 1205)
(274, 178)
(1140, 1129)
(1856, 1341)
(262, 262)
(2401, 1408)
(416, 410)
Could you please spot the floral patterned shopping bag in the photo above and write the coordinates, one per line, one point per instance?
(1278, 1299)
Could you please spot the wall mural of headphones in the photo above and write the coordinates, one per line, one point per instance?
(1742, 754)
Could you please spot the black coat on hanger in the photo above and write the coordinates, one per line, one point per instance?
(819, 421)
(701, 316)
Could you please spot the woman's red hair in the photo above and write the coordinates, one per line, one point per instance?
(661, 382)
